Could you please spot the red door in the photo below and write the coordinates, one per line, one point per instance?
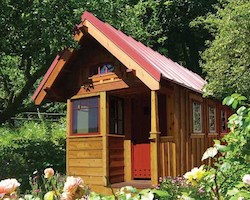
(140, 137)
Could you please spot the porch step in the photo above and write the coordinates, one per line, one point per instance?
(139, 184)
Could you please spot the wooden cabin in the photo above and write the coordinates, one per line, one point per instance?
(132, 114)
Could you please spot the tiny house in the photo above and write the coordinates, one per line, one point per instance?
(132, 114)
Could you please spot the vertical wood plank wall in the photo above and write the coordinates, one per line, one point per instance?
(181, 150)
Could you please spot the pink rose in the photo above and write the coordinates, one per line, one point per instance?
(8, 186)
(48, 173)
(72, 184)
(246, 179)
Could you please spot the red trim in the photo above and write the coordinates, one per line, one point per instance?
(109, 32)
(46, 76)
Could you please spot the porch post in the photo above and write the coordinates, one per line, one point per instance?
(104, 133)
(154, 138)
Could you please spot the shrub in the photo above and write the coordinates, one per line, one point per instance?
(32, 147)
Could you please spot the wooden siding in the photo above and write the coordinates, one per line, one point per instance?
(181, 149)
(116, 159)
(84, 158)
(167, 158)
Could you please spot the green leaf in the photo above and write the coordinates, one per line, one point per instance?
(232, 192)
(241, 110)
(242, 98)
(235, 104)
(228, 101)
(161, 193)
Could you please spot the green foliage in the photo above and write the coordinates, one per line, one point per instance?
(131, 193)
(46, 188)
(226, 61)
(32, 147)
(33, 32)
(225, 179)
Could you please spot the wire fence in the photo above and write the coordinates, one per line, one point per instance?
(39, 116)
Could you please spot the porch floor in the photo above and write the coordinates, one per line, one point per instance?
(139, 184)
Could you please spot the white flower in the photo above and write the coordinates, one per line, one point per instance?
(246, 179)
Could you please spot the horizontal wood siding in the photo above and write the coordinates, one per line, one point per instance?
(84, 159)
(116, 159)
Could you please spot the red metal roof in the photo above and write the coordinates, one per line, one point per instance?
(46, 76)
(157, 65)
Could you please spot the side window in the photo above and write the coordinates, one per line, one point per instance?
(116, 116)
(197, 117)
(85, 116)
(212, 119)
(223, 121)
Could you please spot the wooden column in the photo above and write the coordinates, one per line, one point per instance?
(68, 127)
(154, 139)
(127, 141)
(104, 133)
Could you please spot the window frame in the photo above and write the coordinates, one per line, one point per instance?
(211, 104)
(97, 68)
(222, 108)
(198, 99)
(116, 118)
(72, 116)
(201, 118)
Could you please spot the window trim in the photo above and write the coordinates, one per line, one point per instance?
(220, 120)
(72, 114)
(198, 99)
(213, 105)
(201, 117)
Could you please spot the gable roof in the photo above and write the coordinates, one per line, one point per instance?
(156, 65)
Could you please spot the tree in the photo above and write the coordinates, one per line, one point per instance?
(226, 62)
(33, 32)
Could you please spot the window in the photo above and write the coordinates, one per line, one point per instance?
(197, 117)
(212, 116)
(85, 117)
(102, 69)
(223, 121)
(116, 118)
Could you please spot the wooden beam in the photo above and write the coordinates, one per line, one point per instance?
(127, 141)
(154, 139)
(68, 127)
(104, 133)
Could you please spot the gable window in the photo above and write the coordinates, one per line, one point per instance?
(116, 116)
(85, 116)
(102, 69)
(212, 119)
(223, 121)
(197, 117)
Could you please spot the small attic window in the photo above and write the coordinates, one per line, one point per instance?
(102, 69)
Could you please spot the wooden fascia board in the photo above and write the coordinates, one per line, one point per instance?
(141, 73)
(53, 75)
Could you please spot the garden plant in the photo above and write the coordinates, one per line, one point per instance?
(226, 178)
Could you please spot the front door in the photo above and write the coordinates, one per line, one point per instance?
(140, 137)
